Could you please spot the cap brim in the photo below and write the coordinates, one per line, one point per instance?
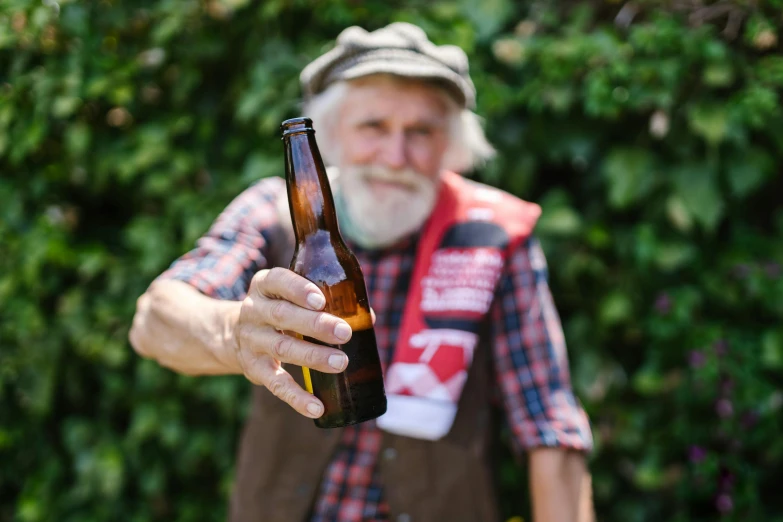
(404, 63)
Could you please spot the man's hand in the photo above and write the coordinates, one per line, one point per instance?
(281, 301)
(194, 334)
(560, 486)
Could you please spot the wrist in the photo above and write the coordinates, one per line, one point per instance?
(224, 345)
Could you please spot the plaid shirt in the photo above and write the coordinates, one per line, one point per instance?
(531, 365)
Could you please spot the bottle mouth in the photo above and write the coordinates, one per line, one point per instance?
(296, 126)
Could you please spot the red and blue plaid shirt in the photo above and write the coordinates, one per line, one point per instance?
(531, 365)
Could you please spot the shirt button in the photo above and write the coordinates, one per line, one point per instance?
(404, 517)
(391, 454)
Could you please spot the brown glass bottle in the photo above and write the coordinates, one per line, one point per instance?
(356, 394)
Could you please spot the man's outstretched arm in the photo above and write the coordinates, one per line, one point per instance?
(195, 334)
(219, 310)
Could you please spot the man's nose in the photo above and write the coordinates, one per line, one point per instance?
(394, 155)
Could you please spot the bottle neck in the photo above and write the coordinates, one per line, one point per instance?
(309, 193)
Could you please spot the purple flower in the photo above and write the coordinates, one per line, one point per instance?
(724, 408)
(772, 270)
(663, 304)
(696, 359)
(741, 270)
(726, 481)
(724, 503)
(721, 347)
(696, 454)
(749, 419)
(726, 385)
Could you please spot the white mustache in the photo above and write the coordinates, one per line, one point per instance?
(407, 177)
(374, 219)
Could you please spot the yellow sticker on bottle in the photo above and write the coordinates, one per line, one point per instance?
(308, 381)
(305, 371)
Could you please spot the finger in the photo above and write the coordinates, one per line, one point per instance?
(279, 283)
(372, 315)
(263, 370)
(283, 315)
(289, 349)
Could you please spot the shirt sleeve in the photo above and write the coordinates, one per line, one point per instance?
(227, 257)
(531, 363)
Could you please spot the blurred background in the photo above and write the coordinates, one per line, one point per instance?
(650, 132)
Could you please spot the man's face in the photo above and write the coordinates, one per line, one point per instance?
(392, 136)
(393, 124)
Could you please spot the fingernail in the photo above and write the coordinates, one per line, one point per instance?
(338, 362)
(314, 409)
(316, 301)
(342, 331)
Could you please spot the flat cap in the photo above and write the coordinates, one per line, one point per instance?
(400, 49)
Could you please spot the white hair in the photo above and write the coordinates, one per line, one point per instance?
(468, 147)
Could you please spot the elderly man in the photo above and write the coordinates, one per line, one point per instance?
(393, 118)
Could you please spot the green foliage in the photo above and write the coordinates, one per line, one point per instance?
(652, 137)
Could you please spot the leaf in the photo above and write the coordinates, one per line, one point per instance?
(648, 476)
(697, 186)
(616, 308)
(677, 213)
(672, 256)
(718, 75)
(65, 106)
(772, 349)
(630, 175)
(557, 217)
(710, 122)
(648, 381)
(560, 221)
(747, 171)
(487, 16)
(77, 139)
(770, 70)
(598, 236)
(260, 165)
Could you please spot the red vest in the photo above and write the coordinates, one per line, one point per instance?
(460, 257)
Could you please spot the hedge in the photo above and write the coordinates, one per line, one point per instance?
(650, 132)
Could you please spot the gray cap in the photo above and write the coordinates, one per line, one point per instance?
(400, 49)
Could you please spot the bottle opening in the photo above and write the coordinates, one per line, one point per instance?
(296, 125)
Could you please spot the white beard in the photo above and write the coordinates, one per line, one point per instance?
(376, 219)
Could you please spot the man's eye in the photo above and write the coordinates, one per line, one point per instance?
(371, 125)
(421, 131)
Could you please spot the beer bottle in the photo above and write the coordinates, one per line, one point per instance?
(356, 394)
